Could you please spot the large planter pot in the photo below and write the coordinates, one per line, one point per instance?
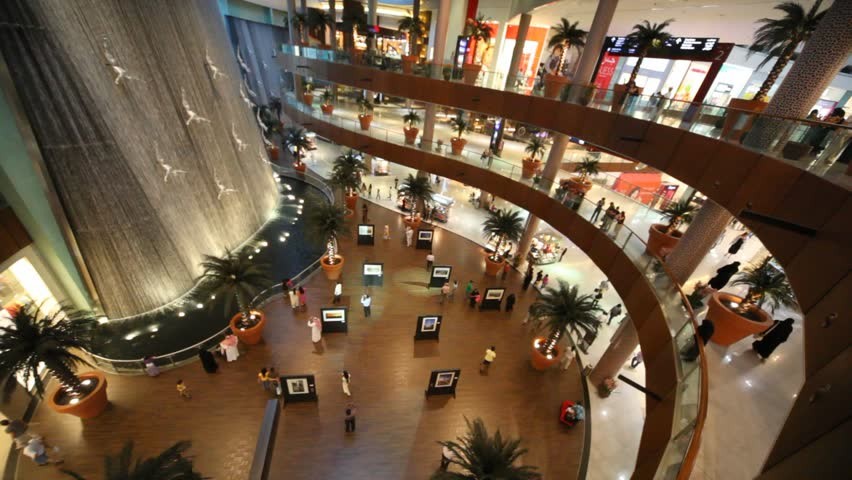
(470, 72)
(410, 135)
(327, 109)
(413, 222)
(529, 166)
(621, 93)
(332, 272)
(351, 202)
(273, 153)
(493, 268)
(577, 185)
(408, 62)
(300, 167)
(308, 99)
(89, 406)
(733, 128)
(365, 121)
(730, 327)
(251, 335)
(553, 85)
(660, 243)
(457, 145)
(539, 361)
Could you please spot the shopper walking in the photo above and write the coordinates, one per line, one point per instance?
(619, 223)
(510, 302)
(562, 255)
(769, 340)
(490, 355)
(598, 297)
(287, 285)
(16, 429)
(294, 298)
(430, 259)
(445, 292)
(151, 367)
(345, 381)
(183, 390)
(505, 272)
(538, 277)
(364, 212)
(614, 312)
(315, 324)
(604, 285)
(338, 292)
(473, 298)
(409, 236)
(453, 289)
(723, 275)
(208, 362)
(303, 299)
(545, 281)
(370, 190)
(366, 302)
(263, 378)
(274, 381)
(598, 208)
(527, 280)
(567, 357)
(468, 288)
(349, 419)
(636, 360)
(737, 244)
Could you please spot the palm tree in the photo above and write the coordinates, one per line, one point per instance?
(480, 30)
(677, 214)
(459, 125)
(418, 190)
(644, 36)
(296, 140)
(780, 38)
(326, 223)
(37, 337)
(299, 22)
(588, 167)
(766, 284)
(411, 119)
(317, 21)
(364, 106)
(568, 36)
(234, 276)
(414, 27)
(505, 225)
(171, 464)
(559, 308)
(327, 97)
(276, 106)
(535, 147)
(347, 170)
(353, 16)
(483, 457)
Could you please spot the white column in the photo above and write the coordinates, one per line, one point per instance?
(520, 40)
(372, 18)
(594, 41)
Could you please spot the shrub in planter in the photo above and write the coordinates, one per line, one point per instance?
(555, 310)
(365, 115)
(505, 225)
(581, 182)
(663, 238)
(326, 223)
(169, 464)
(530, 164)
(346, 174)
(327, 106)
(418, 190)
(297, 142)
(414, 28)
(411, 119)
(480, 30)
(565, 36)
(460, 126)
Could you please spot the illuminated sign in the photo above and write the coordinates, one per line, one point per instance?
(673, 47)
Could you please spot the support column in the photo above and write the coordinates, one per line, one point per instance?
(304, 11)
(427, 137)
(533, 223)
(554, 159)
(518, 51)
(440, 43)
(332, 29)
(621, 348)
(594, 42)
(294, 40)
(372, 18)
(709, 223)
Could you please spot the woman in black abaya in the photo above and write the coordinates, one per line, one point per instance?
(777, 334)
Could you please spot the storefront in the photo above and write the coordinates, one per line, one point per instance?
(545, 248)
(25, 279)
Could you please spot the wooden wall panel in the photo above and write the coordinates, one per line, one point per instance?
(13, 235)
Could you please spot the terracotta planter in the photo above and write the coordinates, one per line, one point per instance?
(327, 109)
(414, 223)
(251, 335)
(659, 243)
(539, 361)
(493, 268)
(457, 145)
(300, 167)
(408, 63)
(621, 92)
(365, 121)
(89, 406)
(308, 99)
(351, 201)
(731, 128)
(729, 327)
(332, 272)
(529, 166)
(410, 135)
(553, 85)
(577, 185)
(273, 153)
(470, 72)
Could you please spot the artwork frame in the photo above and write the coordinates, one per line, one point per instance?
(366, 234)
(428, 327)
(440, 275)
(298, 388)
(424, 238)
(443, 382)
(492, 299)
(334, 319)
(373, 274)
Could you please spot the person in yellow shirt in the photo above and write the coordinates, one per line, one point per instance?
(490, 355)
(182, 389)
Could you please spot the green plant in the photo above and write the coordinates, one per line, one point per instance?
(535, 147)
(270, 119)
(568, 36)
(327, 97)
(317, 21)
(296, 139)
(299, 22)
(459, 125)
(414, 27)
(170, 464)
(418, 190)
(309, 87)
(677, 214)
(766, 285)
(234, 276)
(411, 118)
(364, 106)
(326, 222)
(559, 308)
(780, 38)
(505, 225)
(35, 337)
(480, 30)
(275, 106)
(346, 171)
(644, 36)
(482, 457)
(588, 167)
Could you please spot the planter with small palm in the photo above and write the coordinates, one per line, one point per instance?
(663, 238)
(479, 31)
(506, 225)
(410, 119)
(418, 191)
(346, 175)
(735, 318)
(327, 106)
(53, 339)
(567, 36)
(234, 276)
(317, 21)
(272, 122)
(644, 37)
(531, 164)
(365, 113)
(308, 94)
(480, 456)
(459, 126)
(555, 311)
(297, 142)
(169, 464)
(581, 183)
(413, 27)
(327, 223)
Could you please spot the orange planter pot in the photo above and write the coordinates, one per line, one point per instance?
(365, 121)
(273, 153)
(493, 268)
(414, 223)
(457, 145)
(539, 361)
(410, 135)
(300, 167)
(577, 185)
(735, 124)
(332, 272)
(89, 406)
(470, 72)
(308, 99)
(729, 327)
(553, 85)
(251, 335)
(408, 62)
(327, 109)
(529, 166)
(351, 201)
(659, 243)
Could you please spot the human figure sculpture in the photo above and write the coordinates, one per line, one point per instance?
(120, 72)
(191, 116)
(165, 166)
(242, 62)
(241, 145)
(223, 190)
(214, 70)
(245, 98)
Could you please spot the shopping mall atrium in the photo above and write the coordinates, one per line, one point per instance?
(425, 239)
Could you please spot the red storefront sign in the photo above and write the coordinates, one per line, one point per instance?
(606, 70)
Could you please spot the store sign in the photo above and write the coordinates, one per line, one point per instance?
(675, 47)
(606, 70)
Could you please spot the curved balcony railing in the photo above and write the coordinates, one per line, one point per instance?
(810, 145)
(692, 391)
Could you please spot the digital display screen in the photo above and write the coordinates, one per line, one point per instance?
(675, 46)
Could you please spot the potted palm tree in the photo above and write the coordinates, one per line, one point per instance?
(644, 36)
(505, 225)
(317, 21)
(169, 464)
(410, 119)
(326, 223)
(581, 182)
(663, 238)
(481, 456)
(234, 276)
(365, 113)
(53, 339)
(531, 163)
(296, 141)
(272, 123)
(566, 36)
(327, 106)
(418, 190)
(480, 31)
(735, 318)
(308, 94)
(459, 126)
(413, 27)
(346, 174)
(556, 310)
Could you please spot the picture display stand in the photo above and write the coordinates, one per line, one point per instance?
(440, 275)
(428, 327)
(373, 274)
(334, 320)
(424, 238)
(298, 388)
(443, 382)
(366, 234)
(492, 299)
